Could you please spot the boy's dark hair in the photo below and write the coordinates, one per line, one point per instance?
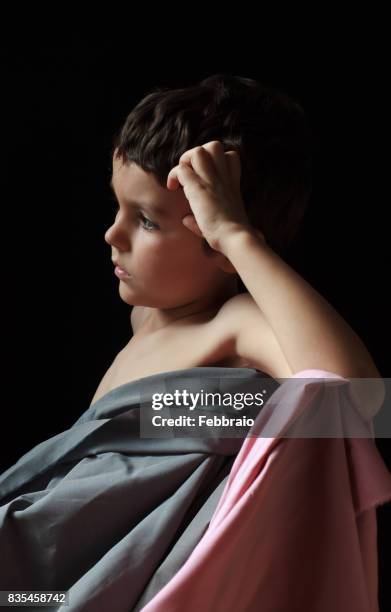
(268, 129)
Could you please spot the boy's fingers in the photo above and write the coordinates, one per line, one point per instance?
(184, 176)
(172, 178)
(216, 150)
(173, 181)
(175, 177)
(213, 149)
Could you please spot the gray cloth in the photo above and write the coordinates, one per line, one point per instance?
(107, 514)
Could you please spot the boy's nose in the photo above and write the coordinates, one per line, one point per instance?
(114, 236)
(107, 235)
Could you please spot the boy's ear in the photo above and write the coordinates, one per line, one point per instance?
(225, 264)
(222, 261)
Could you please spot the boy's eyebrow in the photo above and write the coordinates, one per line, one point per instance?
(158, 210)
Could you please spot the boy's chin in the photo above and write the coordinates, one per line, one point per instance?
(125, 291)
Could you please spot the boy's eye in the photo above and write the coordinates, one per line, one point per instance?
(144, 219)
(146, 223)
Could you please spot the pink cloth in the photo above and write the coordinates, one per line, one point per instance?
(295, 528)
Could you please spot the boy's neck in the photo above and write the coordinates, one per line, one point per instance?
(199, 309)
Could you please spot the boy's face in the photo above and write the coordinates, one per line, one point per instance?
(166, 261)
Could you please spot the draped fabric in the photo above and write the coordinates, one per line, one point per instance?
(266, 522)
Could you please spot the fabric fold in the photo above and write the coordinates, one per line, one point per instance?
(295, 527)
(96, 509)
(267, 522)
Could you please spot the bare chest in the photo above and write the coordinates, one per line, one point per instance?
(201, 344)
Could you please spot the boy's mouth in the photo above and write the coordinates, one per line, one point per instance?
(120, 271)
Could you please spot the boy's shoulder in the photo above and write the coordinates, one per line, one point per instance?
(254, 339)
(236, 311)
(240, 325)
(238, 314)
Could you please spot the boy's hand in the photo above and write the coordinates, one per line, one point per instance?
(210, 178)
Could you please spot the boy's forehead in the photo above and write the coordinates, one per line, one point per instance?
(134, 184)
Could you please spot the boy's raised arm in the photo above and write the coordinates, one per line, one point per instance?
(311, 333)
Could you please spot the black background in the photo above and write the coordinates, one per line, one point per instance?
(63, 320)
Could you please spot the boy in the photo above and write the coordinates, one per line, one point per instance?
(182, 246)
